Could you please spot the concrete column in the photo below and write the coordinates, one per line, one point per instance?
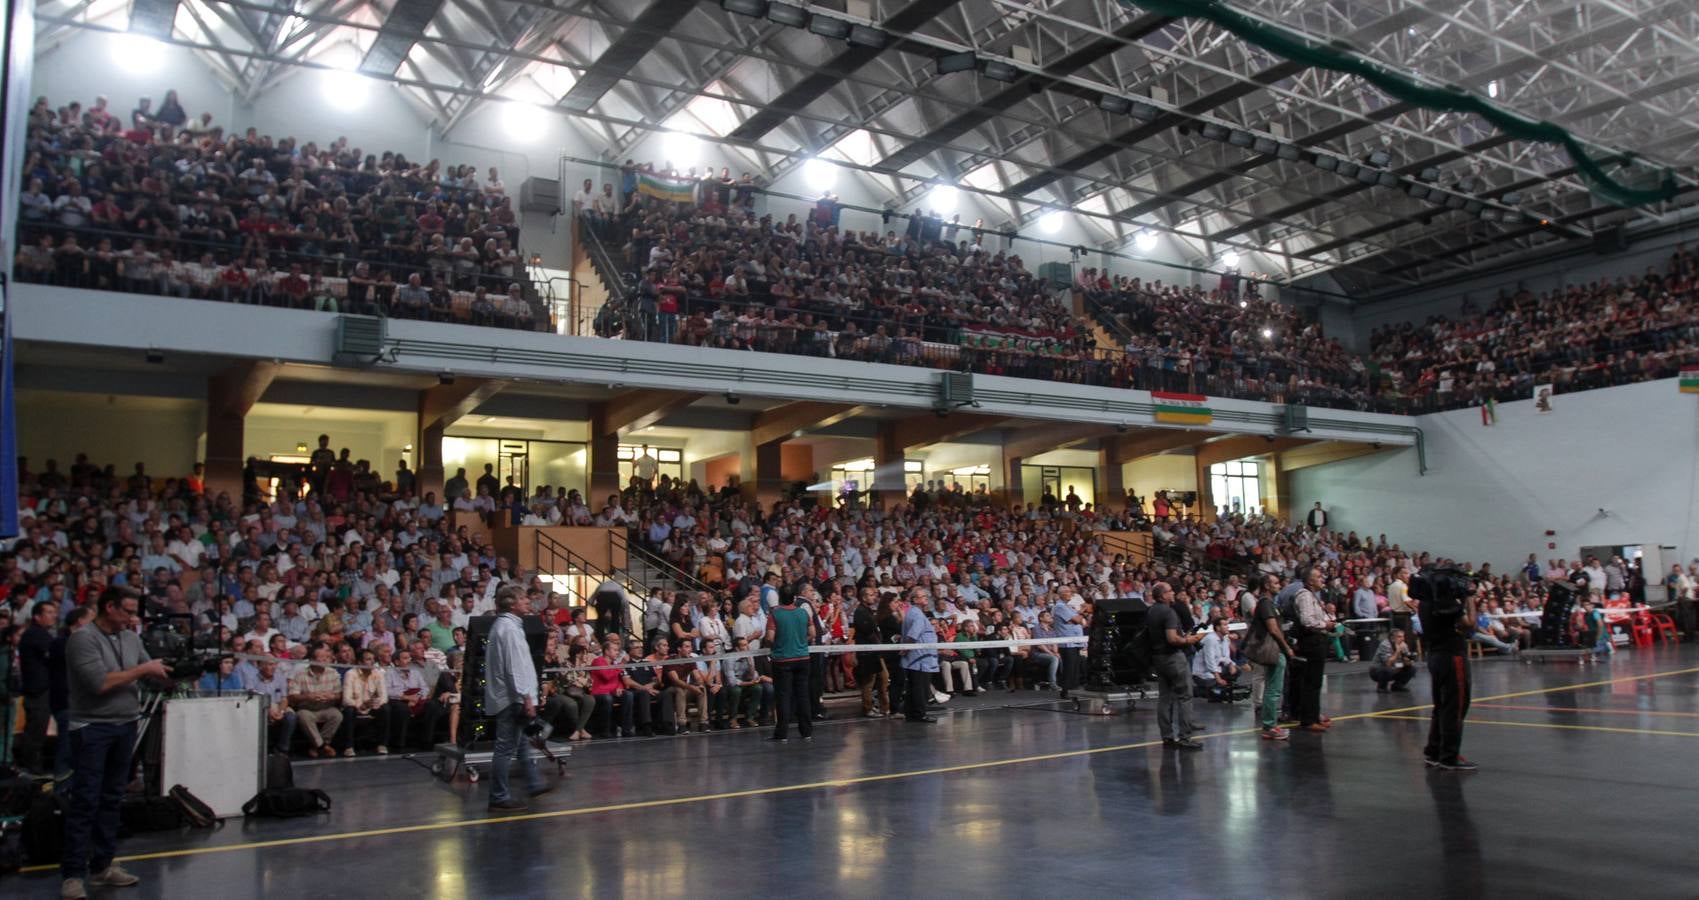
(888, 457)
(604, 467)
(439, 408)
(427, 470)
(769, 479)
(1012, 479)
(1112, 492)
(230, 396)
(224, 459)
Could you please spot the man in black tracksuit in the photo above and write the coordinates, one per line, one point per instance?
(1448, 667)
(33, 646)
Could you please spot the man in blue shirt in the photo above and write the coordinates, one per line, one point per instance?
(1069, 624)
(918, 664)
(225, 679)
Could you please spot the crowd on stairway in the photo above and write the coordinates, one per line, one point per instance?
(155, 201)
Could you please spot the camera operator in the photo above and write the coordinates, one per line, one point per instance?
(104, 664)
(510, 696)
(1446, 618)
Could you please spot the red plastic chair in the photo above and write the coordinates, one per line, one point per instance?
(1640, 630)
(1665, 628)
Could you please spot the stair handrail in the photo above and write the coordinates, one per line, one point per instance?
(683, 579)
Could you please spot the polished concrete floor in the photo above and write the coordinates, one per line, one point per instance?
(1587, 787)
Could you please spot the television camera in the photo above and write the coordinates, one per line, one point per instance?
(171, 638)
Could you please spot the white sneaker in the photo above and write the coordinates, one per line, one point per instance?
(940, 697)
(113, 876)
(72, 889)
(382, 750)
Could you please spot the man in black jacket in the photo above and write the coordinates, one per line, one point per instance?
(35, 680)
(870, 673)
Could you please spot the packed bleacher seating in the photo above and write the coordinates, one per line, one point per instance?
(376, 576)
(158, 203)
(1604, 333)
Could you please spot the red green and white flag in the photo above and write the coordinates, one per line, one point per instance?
(1489, 412)
(1690, 379)
(1182, 409)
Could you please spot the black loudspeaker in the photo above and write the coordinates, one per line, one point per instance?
(1553, 630)
(1116, 650)
(475, 721)
(1610, 240)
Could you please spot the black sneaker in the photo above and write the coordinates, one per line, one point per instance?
(512, 804)
(778, 739)
(1458, 765)
(1430, 761)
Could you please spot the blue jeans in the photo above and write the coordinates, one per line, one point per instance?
(510, 723)
(1274, 684)
(100, 760)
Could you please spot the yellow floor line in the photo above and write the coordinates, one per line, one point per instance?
(1471, 721)
(815, 785)
(1584, 710)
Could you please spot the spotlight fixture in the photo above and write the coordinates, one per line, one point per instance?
(1121, 428)
(1110, 103)
(1367, 175)
(957, 62)
(997, 70)
(786, 14)
(826, 26)
(1490, 215)
(867, 36)
(1511, 198)
(1455, 201)
(154, 357)
(1288, 152)
(1512, 217)
(1214, 132)
(1263, 145)
(1473, 207)
(1467, 184)
(445, 378)
(1348, 169)
(1387, 179)
(1431, 173)
(733, 398)
(1326, 163)
(1144, 112)
(1379, 159)
(1240, 138)
(756, 8)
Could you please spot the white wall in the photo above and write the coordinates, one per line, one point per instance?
(1163, 472)
(1491, 493)
(162, 433)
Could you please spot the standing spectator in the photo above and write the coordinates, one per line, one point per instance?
(1314, 630)
(33, 663)
(1266, 618)
(919, 664)
(105, 663)
(1068, 624)
(790, 630)
(511, 690)
(59, 693)
(870, 674)
(1173, 678)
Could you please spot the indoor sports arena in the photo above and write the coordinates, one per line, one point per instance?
(682, 448)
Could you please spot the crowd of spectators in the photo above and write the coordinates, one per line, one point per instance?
(346, 600)
(1603, 333)
(155, 202)
(158, 202)
(1227, 343)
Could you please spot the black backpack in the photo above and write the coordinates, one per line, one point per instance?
(279, 771)
(44, 829)
(287, 803)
